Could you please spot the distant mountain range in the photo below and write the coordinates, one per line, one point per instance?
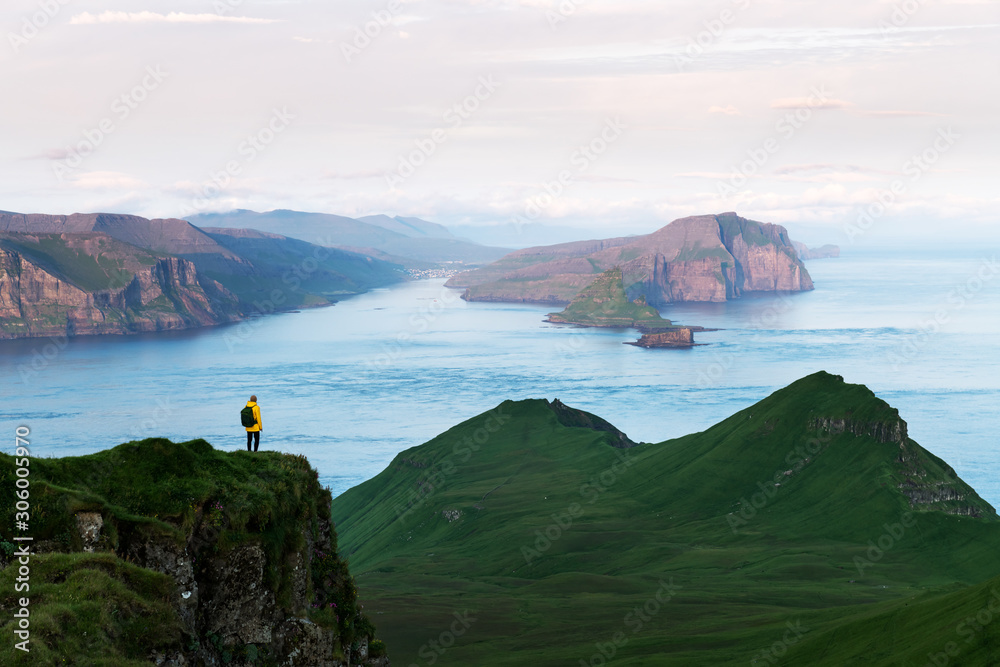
(827, 251)
(78, 274)
(411, 242)
(806, 529)
(700, 258)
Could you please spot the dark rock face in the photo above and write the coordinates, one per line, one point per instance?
(573, 417)
(237, 604)
(700, 258)
(880, 431)
(227, 603)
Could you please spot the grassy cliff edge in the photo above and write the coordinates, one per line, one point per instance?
(165, 553)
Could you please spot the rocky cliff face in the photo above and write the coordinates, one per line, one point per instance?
(703, 258)
(227, 603)
(765, 258)
(85, 284)
(695, 280)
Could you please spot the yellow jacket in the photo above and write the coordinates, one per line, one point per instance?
(256, 414)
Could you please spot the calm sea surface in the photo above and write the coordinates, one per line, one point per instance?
(352, 385)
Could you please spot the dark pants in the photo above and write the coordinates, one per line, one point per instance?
(254, 437)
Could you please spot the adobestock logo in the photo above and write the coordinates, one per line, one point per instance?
(454, 117)
(365, 34)
(32, 25)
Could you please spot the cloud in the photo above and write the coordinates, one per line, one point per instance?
(593, 178)
(809, 103)
(51, 154)
(729, 110)
(829, 173)
(813, 103)
(899, 113)
(107, 180)
(710, 175)
(354, 175)
(87, 18)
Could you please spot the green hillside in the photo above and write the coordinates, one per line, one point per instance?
(302, 273)
(403, 241)
(790, 527)
(604, 304)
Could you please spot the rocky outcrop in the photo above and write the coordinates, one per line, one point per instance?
(246, 585)
(87, 284)
(880, 430)
(679, 337)
(702, 258)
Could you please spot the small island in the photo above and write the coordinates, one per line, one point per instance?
(675, 337)
(604, 303)
(827, 251)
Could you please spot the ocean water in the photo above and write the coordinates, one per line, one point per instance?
(352, 385)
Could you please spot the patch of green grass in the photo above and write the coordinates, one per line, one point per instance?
(753, 234)
(628, 254)
(256, 290)
(89, 605)
(304, 274)
(88, 272)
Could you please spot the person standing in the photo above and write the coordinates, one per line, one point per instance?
(253, 430)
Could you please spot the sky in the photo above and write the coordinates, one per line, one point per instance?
(849, 122)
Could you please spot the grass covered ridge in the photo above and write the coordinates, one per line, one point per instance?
(552, 538)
